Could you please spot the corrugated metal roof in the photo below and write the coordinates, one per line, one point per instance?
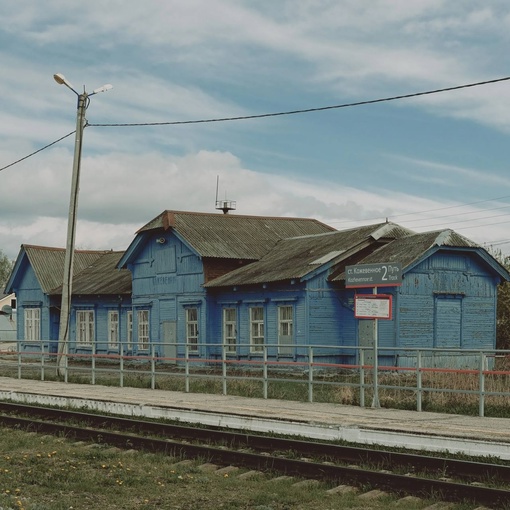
(233, 236)
(296, 257)
(102, 277)
(48, 264)
(408, 249)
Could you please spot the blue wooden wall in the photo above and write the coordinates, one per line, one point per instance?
(447, 300)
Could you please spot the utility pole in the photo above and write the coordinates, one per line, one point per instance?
(67, 280)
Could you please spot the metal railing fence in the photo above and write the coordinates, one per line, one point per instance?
(454, 380)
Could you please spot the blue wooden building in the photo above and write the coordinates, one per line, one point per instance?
(190, 282)
(101, 300)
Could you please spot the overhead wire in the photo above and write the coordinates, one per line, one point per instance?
(300, 111)
(431, 210)
(307, 110)
(274, 114)
(37, 151)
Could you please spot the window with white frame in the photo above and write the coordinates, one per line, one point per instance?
(32, 324)
(230, 330)
(129, 330)
(192, 329)
(85, 328)
(285, 329)
(113, 329)
(257, 329)
(143, 329)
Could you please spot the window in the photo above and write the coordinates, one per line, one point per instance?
(192, 329)
(285, 329)
(256, 329)
(143, 329)
(230, 329)
(113, 329)
(32, 324)
(85, 328)
(129, 330)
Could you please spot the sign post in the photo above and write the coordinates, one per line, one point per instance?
(373, 306)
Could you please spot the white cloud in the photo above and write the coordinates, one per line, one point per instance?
(117, 198)
(174, 60)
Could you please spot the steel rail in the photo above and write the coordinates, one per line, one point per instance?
(401, 484)
(460, 469)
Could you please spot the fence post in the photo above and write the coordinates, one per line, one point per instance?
(66, 365)
(121, 367)
(19, 360)
(362, 377)
(42, 360)
(419, 388)
(153, 366)
(481, 386)
(264, 372)
(224, 368)
(375, 398)
(310, 374)
(93, 361)
(186, 368)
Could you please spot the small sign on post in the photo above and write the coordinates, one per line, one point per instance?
(372, 306)
(373, 275)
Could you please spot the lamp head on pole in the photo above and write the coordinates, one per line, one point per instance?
(104, 88)
(61, 80)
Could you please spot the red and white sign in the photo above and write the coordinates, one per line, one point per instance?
(372, 306)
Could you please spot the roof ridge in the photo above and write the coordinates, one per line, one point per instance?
(228, 216)
(56, 248)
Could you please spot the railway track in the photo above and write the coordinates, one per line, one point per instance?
(404, 474)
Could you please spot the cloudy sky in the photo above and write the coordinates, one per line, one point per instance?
(430, 162)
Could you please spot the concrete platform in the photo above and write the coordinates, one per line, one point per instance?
(390, 427)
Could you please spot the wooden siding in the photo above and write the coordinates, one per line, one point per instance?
(416, 319)
(449, 300)
(167, 277)
(448, 323)
(324, 323)
(479, 323)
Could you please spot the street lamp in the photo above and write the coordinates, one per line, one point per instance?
(67, 281)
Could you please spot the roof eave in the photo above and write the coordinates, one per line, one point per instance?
(14, 272)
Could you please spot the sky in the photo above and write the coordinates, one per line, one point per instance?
(427, 162)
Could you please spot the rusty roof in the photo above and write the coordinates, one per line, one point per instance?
(48, 263)
(94, 271)
(233, 236)
(296, 257)
(407, 250)
(102, 277)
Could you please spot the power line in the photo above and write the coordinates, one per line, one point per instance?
(39, 150)
(467, 220)
(275, 114)
(430, 210)
(465, 214)
(306, 110)
(497, 243)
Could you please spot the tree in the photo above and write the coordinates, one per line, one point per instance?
(503, 310)
(6, 266)
(503, 317)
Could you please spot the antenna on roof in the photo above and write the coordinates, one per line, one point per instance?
(223, 205)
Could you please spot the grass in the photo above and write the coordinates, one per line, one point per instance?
(50, 473)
